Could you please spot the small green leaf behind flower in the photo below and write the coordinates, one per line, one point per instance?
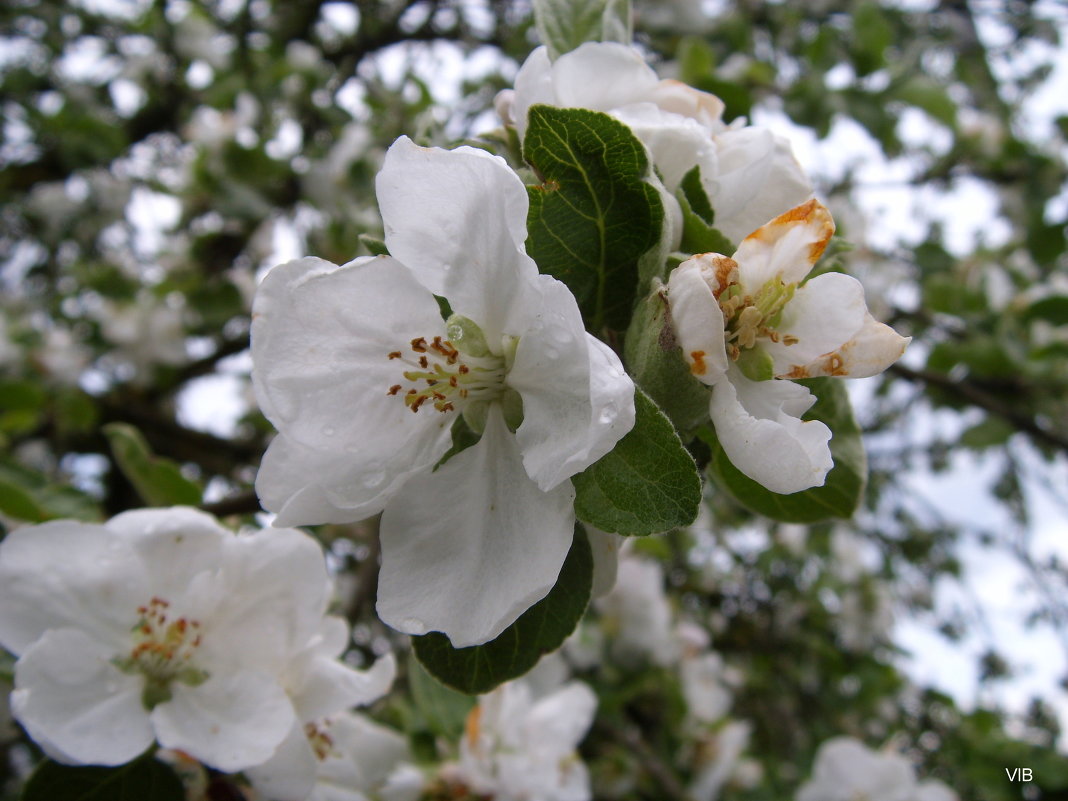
(158, 481)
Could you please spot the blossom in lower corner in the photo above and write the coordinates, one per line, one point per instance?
(747, 325)
(364, 381)
(161, 625)
(846, 769)
(518, 747)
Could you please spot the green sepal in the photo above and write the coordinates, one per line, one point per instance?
(539, 630)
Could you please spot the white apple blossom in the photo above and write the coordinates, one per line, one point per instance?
(747, 324)
(352, 758)
(719, 760)
(364, 381)
(145, 332)
(637, 616)
(312, 680)
(847, 770)
(749, 174)
(162, 625)
(520, 748)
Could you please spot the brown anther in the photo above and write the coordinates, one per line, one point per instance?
(393, 390)
(419, 344)
(418, 402)
(411, 392)
(790, 339)
(463, 393)
(424, 362)
(396, 354)
(464, 369)
(446, 407)
(453, 381)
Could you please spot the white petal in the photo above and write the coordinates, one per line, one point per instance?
(785, 248)
(758, 424)
(605, 549)
(758, 179)
(678, 97)
(290, 773)
(70, 696)
(364, 756)
(578, 402)
(331, 686)
(231, 722)
(696, 316)
(874, 348)
(275, 591)
(176, 544)
(602, 76)
(533, 84)
(562, 719)
(68, 574)
(473, 545)
(676, 143)
(458, 220)
(824, 314)
(321, 339)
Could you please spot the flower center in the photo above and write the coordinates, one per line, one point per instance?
(444, 377)
(163, 650)
(319, 739)
(749, 317)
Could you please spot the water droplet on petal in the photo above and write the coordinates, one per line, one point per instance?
(608, 415)
(412, 625)
(374, 480)
(328, 431)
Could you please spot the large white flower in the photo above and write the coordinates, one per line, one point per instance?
(747, 323)
(518, 748)
(364, 379)
(162, 625)
(749, 174)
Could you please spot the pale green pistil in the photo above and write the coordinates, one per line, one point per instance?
(751, 317)
(162, 652)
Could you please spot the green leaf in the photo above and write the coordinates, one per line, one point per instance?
(144, 779)
(539, 630)
(158, 481)
(16, 502)
(595, 215)
(655, 361)
(930, 96)
(565, 24)
(648, 483)
(1053, 309)
(374, 245)
(444, 709)
(839, 495)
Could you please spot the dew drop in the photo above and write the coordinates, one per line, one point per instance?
(328, 431)
(412, 625)
(374, 480)
(608, 415)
